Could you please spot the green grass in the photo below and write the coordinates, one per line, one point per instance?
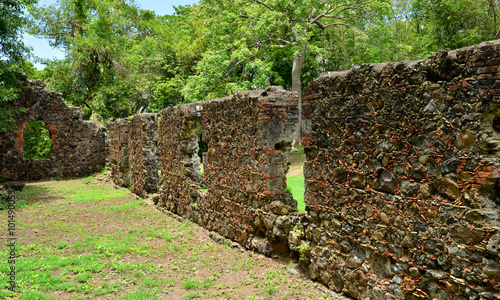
(192, 284)
(141, 295)
(196, 284)
(96, 195)
(62, 245)
(85, 191)
(295, 183)
(297, 188)
(20, 203)
(126, 207)
(116, 247)
(151, 282)
(193, 295)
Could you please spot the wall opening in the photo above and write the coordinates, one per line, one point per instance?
(202, 148)
(496, 124)
(37, 143)
(295, 175)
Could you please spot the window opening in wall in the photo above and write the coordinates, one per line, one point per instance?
(295, 176)
(37, 143)
(496, 124)
(202, 148)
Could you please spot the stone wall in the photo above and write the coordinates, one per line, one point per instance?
(119, 152)
(79, 147)
(143, 154)
(244, 168)
(402, 178)
(179, 129)
(248, 136)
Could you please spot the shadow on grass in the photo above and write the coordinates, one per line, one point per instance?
(31, 194)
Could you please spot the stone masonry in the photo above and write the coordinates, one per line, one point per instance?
(248, 136)
(143, 154)
(402, 174)
(79, 147)
(179, 128)
(402, 177)
(245, 165)
(119, 152)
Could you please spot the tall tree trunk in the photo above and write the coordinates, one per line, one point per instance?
(298, 62)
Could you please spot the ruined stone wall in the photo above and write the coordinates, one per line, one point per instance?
(119, 153)
(179, 129)
(246, 164)
(143, 154)
(402, 178)
(244, 168)
(79, 147)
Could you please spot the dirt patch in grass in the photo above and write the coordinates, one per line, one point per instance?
(295, 172)
(79, 239)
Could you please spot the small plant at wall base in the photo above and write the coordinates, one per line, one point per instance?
(36, 141)
(304, 251)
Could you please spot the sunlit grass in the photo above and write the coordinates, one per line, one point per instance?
(94, 195)
(116, 247)
(297, 188)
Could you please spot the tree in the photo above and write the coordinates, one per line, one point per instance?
(121, 60)
(12, 23)
(96, 36)
(263, 27)
(425, 26)
(460, 23)
(178, 46)
(12, 53)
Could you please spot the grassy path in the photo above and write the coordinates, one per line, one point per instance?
(295, 177)
(81, 239)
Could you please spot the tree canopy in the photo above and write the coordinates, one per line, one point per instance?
(121, 59)
(12, 54)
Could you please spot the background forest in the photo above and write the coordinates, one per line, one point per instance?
(122, 60)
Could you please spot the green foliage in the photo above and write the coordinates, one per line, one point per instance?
(12, 64)
(202, 147)
(96, 35)
(122, 60)
(304, 251)
(421, 27)
(12, 22)
(253, 43)
(9, 83)
(37, 143)
(461, 23)
(12, 76)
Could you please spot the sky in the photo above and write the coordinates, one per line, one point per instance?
(42, 49)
